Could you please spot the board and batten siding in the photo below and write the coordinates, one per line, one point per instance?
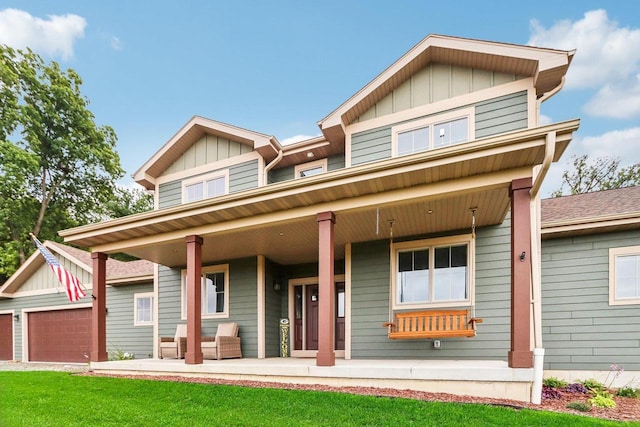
(208, 149)
(580, 330)
(370, 287)
(287, 173)
(44, 278)
(494, 116)
(121, 334)
(243, 303)
(242, 176)
(434, 83)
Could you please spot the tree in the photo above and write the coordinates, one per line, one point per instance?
(58, 168)
(128, 201)
(604, 173)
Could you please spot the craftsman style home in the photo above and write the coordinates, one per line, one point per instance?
(408, 230)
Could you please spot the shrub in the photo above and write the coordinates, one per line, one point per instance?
(628, 392)
(120, 354)
(579, 406)
(593, 385)
(576, 388)
(554, 382)
(603, 399)
(550, 393)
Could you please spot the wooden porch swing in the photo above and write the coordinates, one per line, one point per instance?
(432, 324)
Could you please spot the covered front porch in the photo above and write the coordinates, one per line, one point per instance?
(484, 378)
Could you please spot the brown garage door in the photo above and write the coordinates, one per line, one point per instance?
(6, 337)
(60, 336)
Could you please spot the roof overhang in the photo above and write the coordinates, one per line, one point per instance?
(546, 66)
(267, 146)
(448, 181)
(591, 225)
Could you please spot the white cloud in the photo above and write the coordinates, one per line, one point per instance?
(604, 51)
(545, 120)
(296, 138)
(618, 99)
(54, 36)
(116, 43)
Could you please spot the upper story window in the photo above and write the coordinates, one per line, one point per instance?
(432, 132)
(432, 273)
(214, 288)
(310, 168)
(624, 275)
(206, 186)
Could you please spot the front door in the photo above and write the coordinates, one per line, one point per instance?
(305, 328)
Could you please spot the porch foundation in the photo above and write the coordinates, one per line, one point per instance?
(485, 378)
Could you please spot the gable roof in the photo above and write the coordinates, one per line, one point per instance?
(600, 211)
(546, 66)
(118, 272)
(267, 145)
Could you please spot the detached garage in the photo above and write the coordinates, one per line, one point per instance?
(60, 335)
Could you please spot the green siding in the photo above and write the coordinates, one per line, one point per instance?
(499, 115)
(121, 334)
(434, 83)
(242, 176)
(335, 162)
(243, 303)
(581, 331)
(370, 303)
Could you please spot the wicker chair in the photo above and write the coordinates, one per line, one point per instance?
(174, 347)
(225, 345)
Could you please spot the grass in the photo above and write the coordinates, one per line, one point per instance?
(33, 398)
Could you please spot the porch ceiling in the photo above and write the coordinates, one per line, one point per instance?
(279, 220)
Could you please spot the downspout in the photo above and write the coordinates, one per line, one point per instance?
(536, 273)
(536, 265)
(265, 179)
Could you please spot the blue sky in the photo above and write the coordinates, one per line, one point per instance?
(278, 67)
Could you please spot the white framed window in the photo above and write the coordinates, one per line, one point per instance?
(214, 288)
(310, 168)
(432, 132)
(206, 186)
(143, 309)
(433, 273)
(624, 275)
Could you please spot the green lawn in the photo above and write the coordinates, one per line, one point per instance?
(35, 398)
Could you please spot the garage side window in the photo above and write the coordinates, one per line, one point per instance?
(143, 309)
(624, 275)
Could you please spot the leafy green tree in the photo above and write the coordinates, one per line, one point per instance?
(58, 168)
(604, 173)
(128, 201)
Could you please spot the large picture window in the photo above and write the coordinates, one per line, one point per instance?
(624, 275)
(429, 273)
(432, 132)
(214, 288)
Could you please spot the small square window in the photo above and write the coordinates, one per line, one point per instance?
(143, 309)
(310, 168)
(624, 276)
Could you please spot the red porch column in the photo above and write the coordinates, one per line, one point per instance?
(326, 290)
(194, 307)
(99, 310)
(521, 355)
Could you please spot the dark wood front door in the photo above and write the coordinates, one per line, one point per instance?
(306, 321)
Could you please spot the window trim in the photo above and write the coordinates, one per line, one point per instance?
(309, 165)
(221, 173)
(430, 121)
(613, 254)
(220, 268)
(432, 244)
(136, 297)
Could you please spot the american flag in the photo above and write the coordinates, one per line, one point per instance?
(70, 282)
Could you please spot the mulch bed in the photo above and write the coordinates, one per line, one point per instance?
(627, 409)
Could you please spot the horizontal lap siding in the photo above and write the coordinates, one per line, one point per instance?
(273, 309)
(371, 145)
(581, 331)
(122, 335)
(370, 286)
(287, 173)
(243, 176)
(499, 115)
(243, 303)
(170, 194)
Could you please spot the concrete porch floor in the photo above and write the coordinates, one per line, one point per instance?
(484, 378)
